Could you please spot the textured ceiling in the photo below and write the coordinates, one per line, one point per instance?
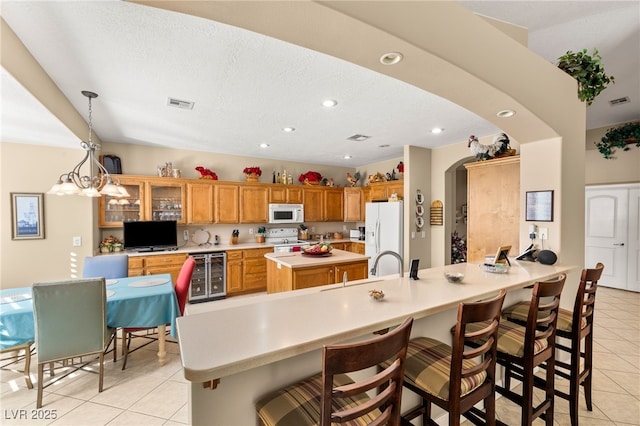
(247, 87)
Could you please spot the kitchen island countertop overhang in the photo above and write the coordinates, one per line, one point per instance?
(270, 328)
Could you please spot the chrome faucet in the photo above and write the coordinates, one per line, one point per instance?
(374, 269)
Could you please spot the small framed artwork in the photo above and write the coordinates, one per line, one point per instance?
(27, 216)
(539, 206)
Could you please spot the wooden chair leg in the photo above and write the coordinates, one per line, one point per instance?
(40, 380)
(588, 364)
(27, 367)
(527, 397)
(490, 410)
(550, 392)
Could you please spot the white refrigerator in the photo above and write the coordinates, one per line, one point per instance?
(383, 231)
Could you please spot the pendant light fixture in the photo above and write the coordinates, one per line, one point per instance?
(98, 181)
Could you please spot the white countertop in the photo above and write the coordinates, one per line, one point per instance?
(295, 260)
(222, 338)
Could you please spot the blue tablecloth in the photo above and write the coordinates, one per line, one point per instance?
(146, 301)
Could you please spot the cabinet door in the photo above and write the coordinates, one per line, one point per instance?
(357, 248)
(395, 186)
(354, 271)
(312, 277)
(234, 271)
(377, 191)
(200, 203)
(313, 209)
(226, 203)
(334, 205)
(294, 195)
(254, 204)
(353, 205)
(166, 200)
(113, 211)
(277, 194)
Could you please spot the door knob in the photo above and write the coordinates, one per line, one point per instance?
(618, 244)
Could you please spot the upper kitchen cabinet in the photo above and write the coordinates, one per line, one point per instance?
(254, 204)
(226, 205)
(353, 204)
(285, 194)
(322, 204)
(493, 200)
(113, 211)
(166, 200)
(383, 190)
(200, 203)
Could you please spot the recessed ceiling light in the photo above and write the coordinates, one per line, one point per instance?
(264, 145)
(391, 58)
(384, 146)
(506, 113)
(329, 103)
(288, 129)
(347, 157)
(437, 130)
(358, 137)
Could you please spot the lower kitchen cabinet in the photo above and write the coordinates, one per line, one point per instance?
(157, 264)
(285, 279)
(247, 271)
(357, 248)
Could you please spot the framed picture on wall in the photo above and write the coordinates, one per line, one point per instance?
(539, 206)
(27, 216)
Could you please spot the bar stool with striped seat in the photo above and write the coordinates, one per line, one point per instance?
(448, 376)
(582, 314)
(523, 348)
(332, 396)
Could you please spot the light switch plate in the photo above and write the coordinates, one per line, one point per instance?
(77, 241)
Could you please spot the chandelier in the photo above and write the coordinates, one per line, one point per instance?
(92, 183)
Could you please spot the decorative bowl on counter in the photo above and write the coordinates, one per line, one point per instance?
(376, 294)
(497, 268)
(454, 277)
(321, 249)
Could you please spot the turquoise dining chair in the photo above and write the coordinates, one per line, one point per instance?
(19, 352)
(107, 265)
(70, 322)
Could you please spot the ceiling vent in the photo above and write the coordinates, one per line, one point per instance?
(358, 138)
(619, 101)
(179, 104)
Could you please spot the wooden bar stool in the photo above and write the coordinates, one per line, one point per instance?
(575, 326)
(333, 396)
(448, 376)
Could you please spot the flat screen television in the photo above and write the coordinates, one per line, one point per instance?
(150, 235)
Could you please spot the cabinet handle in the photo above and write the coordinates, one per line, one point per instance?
(619, 244)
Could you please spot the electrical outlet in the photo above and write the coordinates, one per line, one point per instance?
(543, 233)
(77, 241)
(413, 235)
(344, 227)
(250, 231)
(185, 235)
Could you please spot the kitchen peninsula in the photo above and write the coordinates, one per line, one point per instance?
(260, 343)
(296, 270)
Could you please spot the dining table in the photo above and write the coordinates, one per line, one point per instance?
(143, 301)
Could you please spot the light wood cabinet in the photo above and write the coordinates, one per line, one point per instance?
(286, 279)
(166, 199)
(200, 203)
(357, 248)
(333, 205)
(254, 204)
(353, 204)
(493, 200)
(247, 271)
(226, 205)
(323, 204)
(157, 264)
(383, 190)
(285, 194)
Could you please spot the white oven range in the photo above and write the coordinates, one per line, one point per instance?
(284, 239)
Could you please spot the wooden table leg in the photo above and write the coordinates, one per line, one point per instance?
(162, 349)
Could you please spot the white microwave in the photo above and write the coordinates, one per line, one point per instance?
(286, 213)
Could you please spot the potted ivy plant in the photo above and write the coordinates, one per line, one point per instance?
(588, 71)
(619, 137)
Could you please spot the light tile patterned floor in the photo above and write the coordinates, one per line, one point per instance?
(146, 394)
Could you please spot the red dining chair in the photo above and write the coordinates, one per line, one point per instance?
(182, 292)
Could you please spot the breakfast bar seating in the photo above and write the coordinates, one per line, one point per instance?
(574, 327)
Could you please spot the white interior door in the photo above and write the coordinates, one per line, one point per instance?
(610, 220)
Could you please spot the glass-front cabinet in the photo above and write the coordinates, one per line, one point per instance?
(150, 199)
(114, 211)
(166, 201)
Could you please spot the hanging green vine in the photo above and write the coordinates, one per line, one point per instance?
(588, 71)
(619, 137)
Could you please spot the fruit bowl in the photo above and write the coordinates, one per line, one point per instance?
(321, 249)
(454, 277)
